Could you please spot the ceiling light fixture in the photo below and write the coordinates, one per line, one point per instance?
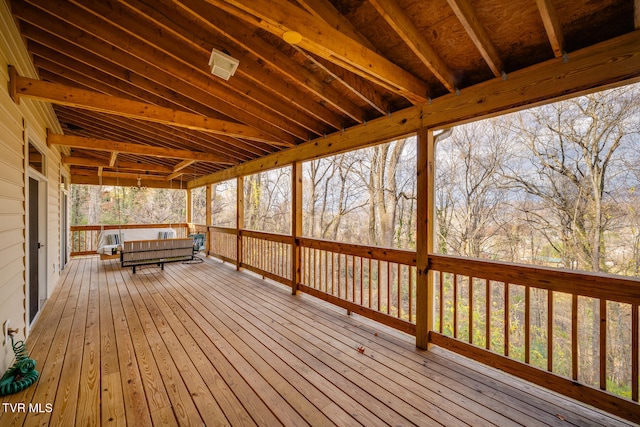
(139, 185)
(292, 37)
(222, 64)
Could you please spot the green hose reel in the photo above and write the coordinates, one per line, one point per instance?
(23, 372)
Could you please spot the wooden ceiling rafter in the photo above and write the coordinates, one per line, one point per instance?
(355, 84)
(129, 148)
(234, 29)
(193, 56)
(120, 165)
(132, 129)
(136, 176)
(413, 38)
(323, 9)
(130, 82)
(280, 16)
(552, 26)
(93, 79)
(478, 33)
(229, 147)
(114, 158)
(99, 54)
(149, 61)
(179, 169)
(53, 70)
(98, 81)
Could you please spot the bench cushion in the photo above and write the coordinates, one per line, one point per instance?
(109, 239)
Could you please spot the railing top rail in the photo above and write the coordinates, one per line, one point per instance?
(588, 284)
(274, 237)
(95, 227)
(400, 256)
(226, 230)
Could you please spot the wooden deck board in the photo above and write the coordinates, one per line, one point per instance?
(203, 344)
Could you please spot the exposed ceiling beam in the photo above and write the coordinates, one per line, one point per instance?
(412, 36)
(636, 14)
(132, 130)
(478, 33)
(280, 16)
(373, 99)
(111, 174)
(128, 148)
(113, 158)
(323, 9)
(552, 26)
(605, 64)
(91, 162)
(93, 179)
(183, 164)
(80, 98)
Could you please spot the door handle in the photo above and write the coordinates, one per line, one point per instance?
(40, 245)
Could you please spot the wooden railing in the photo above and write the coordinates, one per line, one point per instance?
(267, 254)
(84, 238)
(378, 283)
(526, 320)
(223, 243)
(521, 319)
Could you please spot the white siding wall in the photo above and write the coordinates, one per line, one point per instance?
(32, 117)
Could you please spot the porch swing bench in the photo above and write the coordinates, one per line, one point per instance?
(159, 252)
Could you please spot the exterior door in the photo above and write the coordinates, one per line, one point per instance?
(64, 225)
(34, 249)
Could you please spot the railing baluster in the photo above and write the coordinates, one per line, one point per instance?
(470, 310)
(603, 344)
(353, 279)
(487, 315)
(635, 352)
(410, 294)
(550, 331)
(361, 282)
(398, 270)
(369, 274)
(574, 337)
(378, 283)
(455, 305)
(339, 274)
(507, 318)
(527, 324)
(388, 287)
(441, 302)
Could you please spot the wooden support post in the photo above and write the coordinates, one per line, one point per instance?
(189, 206)
(208, 219)
(296, 224)
(424, 244)
(239, 219)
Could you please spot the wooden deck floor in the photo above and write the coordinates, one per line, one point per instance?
(202, 344)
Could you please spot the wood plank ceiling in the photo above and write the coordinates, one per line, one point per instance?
(356, 60)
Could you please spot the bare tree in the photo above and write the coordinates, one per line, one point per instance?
(383, 191)
(571, 169)
(468, 188)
